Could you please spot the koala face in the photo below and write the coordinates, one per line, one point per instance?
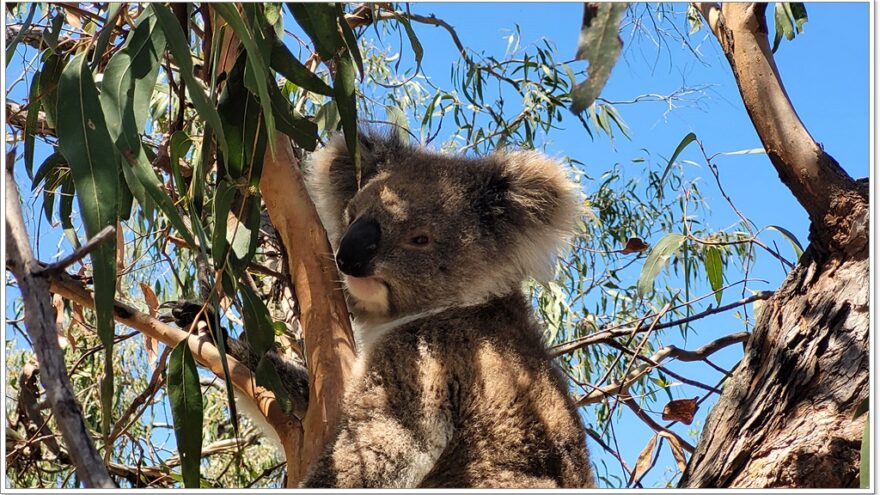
(427, 230)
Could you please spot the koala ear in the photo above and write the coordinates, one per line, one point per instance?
(332, 180)
(527, 199)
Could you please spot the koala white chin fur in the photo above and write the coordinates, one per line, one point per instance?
(453, 386)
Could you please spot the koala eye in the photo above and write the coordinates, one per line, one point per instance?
(419, 240)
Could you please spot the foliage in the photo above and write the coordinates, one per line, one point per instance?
(172, 152)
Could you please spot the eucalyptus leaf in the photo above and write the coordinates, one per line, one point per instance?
(715, 271)
(187, 411)
(293, 70)
(657, 259)
(685, 141)
(600, 45)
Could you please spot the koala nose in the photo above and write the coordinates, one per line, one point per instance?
(358, 248)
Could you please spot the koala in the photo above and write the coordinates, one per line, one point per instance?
(453, 386)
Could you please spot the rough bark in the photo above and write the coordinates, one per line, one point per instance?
(40, 325)
(785, 418)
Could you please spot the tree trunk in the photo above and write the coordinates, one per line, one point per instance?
(785, 418)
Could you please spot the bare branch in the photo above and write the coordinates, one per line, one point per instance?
(84, 250)
(40, 324)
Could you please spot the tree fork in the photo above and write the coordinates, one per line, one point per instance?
(785, 418)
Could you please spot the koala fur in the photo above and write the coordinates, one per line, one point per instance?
(453, 387)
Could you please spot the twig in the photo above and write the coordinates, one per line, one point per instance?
(615, 331)
(84, 250)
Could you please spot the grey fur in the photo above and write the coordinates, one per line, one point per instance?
(453, 386)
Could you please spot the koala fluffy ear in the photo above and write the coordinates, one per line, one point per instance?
(332, 180)
(528, 200)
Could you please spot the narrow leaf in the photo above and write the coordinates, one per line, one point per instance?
(600, 45)
(25, 27)
(865, 457)
(657, 259)
(187, 411)
(791, 238)
(283, 62)
(643, 462)
(287, 120)
(179, 48)
(49, 75)
(685, 141)
(715, 271)
(30, 125)
(151, 345)
(87, 146)
(319, 21)
(343, 89)
(350, 40)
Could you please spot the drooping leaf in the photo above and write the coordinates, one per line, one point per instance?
(257, 321)
(65, 211)
(685, 141)
(187, 412)
(151, 345)
(682, 410)
(676, 448)
(799, 13)
(287, 120)
(30, 125)
(633, 245)
(343, 90)
(50, 36)
(243, 127)
(113, 10)
(86, 144)
(13, 43)
(319, 21)
(179, 48)
(243, 232)
(256, 60)
(293, 70)
(349, 39)
(863, 408)
(267, 376)
(398, 119)
(791, 238)
(600, 45)
(715, 271)
(643, 462)
(223, 196)
(657, 259)
(51, 162)
(49, 75)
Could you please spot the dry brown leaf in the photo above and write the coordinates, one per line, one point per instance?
(634, 245)
(58, 304)
(682, 410)
(644, 461)
(677, 451)
(150, 344)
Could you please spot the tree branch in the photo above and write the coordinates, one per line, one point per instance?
(40, 324)
(329, 343)
(202, 348)
(836, 204)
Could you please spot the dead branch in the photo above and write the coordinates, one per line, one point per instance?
(40, 325)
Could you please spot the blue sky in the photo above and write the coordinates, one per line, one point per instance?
(826, 72)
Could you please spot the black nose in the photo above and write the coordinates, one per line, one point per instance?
(358, 248)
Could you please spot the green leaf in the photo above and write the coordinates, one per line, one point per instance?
(30, 125)
(223, 196)
(242, 125)
(287, 120)
(293, 70)
(343, 89)
(600, 45)
(657, 259)
(863, 408)
(257, 322)
(783, 25)
(25, 27)
(256, 62)
(418, 50)
(267, 376)
(688, 139)
(350, 40)
(49, 75)
(799, 13)
(319, 21)
(65, 211)
(113, 9)
(791, 238)
(50, 36)
(327, 117)
(715, 271)
(179, 48)
(178, 147)
(187, 412)
(51, 162)
(89, 150)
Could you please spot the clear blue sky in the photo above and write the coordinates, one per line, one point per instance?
(826, 74)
